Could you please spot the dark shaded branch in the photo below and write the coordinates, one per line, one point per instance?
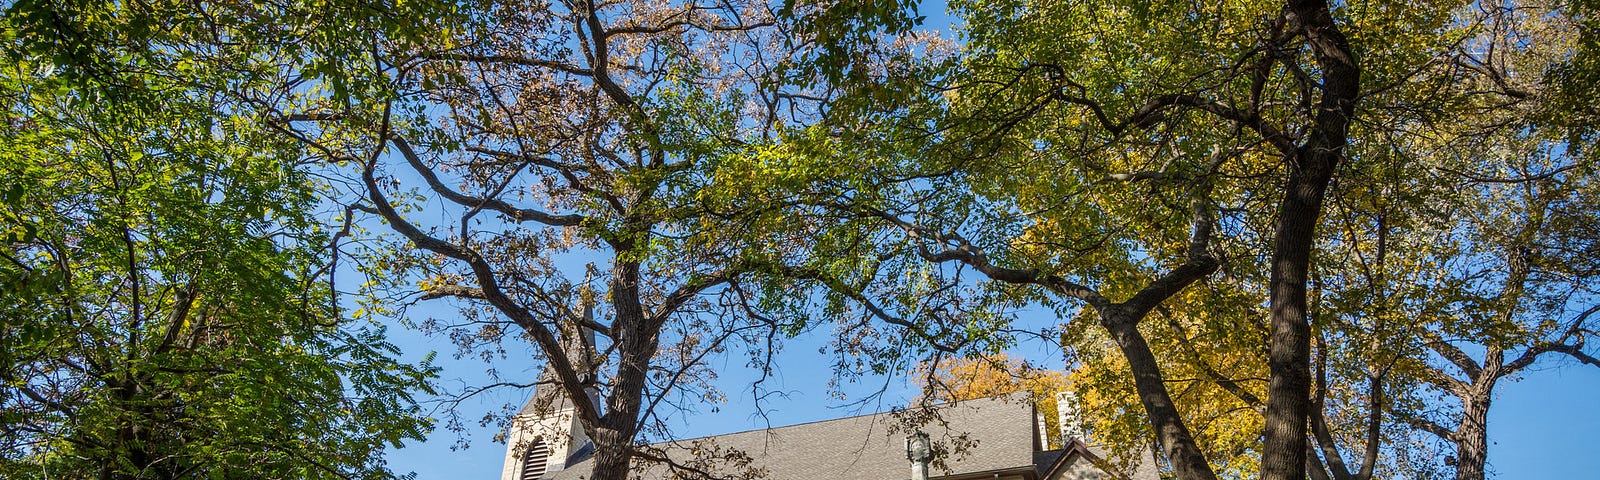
(601, 61)
(1471, 62)
(1153, 110)
(1574, 351)
(691, 288)
(1375, 401)
(961, 250)
(1574, 332)
(1170, 284)
(1428, 426)
(1454, 354)
(1325, 441)
(1319, 423)
(1440, 379)
(566, 171)
(51, 404)
(458, 291)
(1200, 263)
(515, 213)
(180, 313)
(1523, 179)
(1314, 465)
(854, 294)
(485, 276)
(686, 18)
(508, 59)
(1228, 384)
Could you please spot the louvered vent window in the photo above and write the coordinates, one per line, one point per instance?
(535, 459)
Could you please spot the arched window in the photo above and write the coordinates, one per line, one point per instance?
(535, 459)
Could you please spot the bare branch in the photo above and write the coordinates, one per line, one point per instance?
(1428, 426)
(1453, 354)
(485, 276)
(965, 252)
(691, 288)
(838, 286)
(518, 214)
(457, 291)
(1476, 177)
(507, 59)
(1573, 332)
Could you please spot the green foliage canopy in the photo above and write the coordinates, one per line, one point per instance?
(164, 310)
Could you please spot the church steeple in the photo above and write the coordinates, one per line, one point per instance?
(577, 345)
(546, 435)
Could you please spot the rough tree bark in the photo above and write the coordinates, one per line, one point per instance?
(638, 342)
(1311, 167)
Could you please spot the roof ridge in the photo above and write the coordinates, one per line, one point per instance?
(949, 404)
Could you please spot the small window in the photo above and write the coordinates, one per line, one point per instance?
(535, 459)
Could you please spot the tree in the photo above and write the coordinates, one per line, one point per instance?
(1506, 279)
(162, 314)
(1501, 271)
(539, 161)
(1026, 83)
(1451, 247)
(1076, 153)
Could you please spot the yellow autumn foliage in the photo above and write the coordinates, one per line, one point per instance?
(993, 375)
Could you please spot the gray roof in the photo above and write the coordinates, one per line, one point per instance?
(987, 435)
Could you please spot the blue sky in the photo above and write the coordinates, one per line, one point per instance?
(1542, 427)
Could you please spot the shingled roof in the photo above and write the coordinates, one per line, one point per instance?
(999, 435)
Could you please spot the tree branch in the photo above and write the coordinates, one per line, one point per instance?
(518, 214)
(1559, 345)
(1153, 110)
(839, 287)
(484, 275)
(1428, 426)
(1453, 354)
(1170, 284)
(458, 291)
(690, 289)
(965, 252)
(507, 59)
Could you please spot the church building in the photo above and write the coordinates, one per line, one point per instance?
(998, 438)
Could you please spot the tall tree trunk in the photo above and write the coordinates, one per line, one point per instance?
(1472, 436)
(1289, 357)
(1311, 168)
(613, 452)
(613, 437)
(637, 343)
